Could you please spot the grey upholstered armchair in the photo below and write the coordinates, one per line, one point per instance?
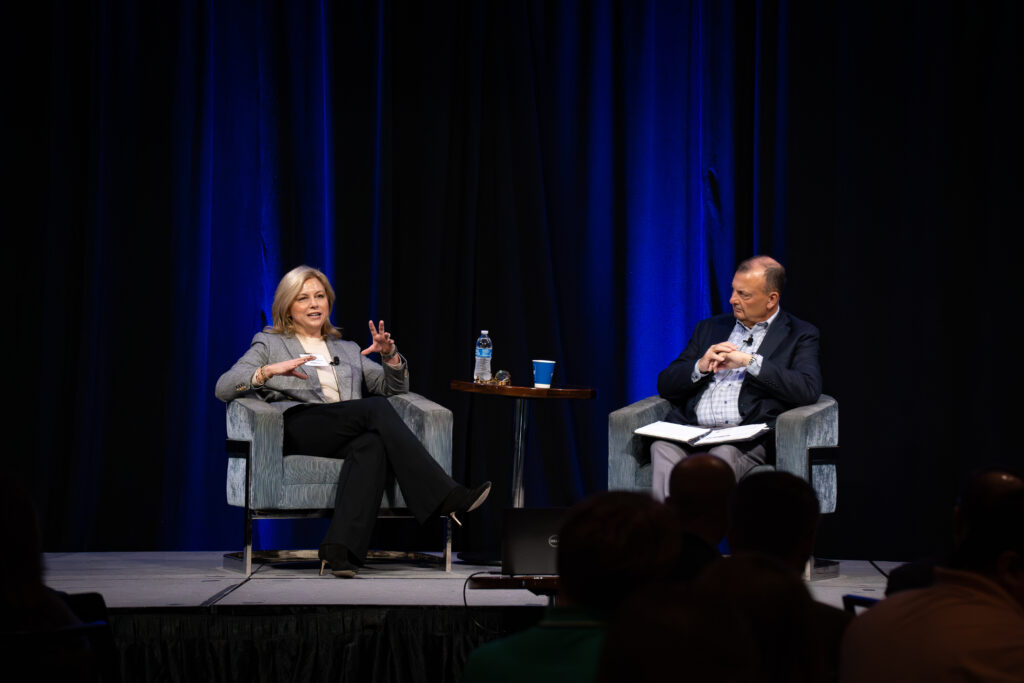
(282, 486)
(796, 432)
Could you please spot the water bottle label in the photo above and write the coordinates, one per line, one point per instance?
(483, 353)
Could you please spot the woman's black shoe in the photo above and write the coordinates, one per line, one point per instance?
(462, 499)
(335, 555)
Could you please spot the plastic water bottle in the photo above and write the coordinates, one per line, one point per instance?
(484, 348)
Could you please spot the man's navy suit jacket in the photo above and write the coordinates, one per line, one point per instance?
(790, 375)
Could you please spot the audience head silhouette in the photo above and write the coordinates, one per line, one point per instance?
(774, 513)
(612, 542)
(983, 490)
(968, 622)
(22, 572)
(993, 544)
(609, 546)
(699, 490)
(744, 618)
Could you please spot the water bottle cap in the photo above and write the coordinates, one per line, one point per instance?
(483, 331)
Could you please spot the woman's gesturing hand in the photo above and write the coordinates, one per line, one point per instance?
(382, 341)
(286, 367)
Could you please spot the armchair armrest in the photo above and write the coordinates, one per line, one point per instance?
(627, 452)
(262, 425)
(813, 426)
(430, 422)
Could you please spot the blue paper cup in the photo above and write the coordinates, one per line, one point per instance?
(543, 371)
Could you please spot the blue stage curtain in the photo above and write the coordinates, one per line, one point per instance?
(563, 174)
(256, 192)
(580, 178)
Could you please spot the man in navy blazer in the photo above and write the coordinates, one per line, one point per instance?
(741, 368)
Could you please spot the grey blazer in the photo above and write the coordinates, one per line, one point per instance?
(353, 371)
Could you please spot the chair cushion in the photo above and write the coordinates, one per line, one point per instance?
(309, 482)
(312, 482)
(308, 469)
(307, 496)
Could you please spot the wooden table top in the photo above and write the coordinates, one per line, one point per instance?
(523, 392)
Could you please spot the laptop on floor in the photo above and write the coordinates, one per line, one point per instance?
(529, 541)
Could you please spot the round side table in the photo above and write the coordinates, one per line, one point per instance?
(521, 396)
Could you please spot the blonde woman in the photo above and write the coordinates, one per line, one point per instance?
(301, 365)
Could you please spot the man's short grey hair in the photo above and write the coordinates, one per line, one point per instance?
(774, 273)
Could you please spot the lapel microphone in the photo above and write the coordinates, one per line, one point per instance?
(750, 340)
(335, 361)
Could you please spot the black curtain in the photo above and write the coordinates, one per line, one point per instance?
(579, 178)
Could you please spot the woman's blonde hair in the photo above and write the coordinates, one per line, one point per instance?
(288, 290)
